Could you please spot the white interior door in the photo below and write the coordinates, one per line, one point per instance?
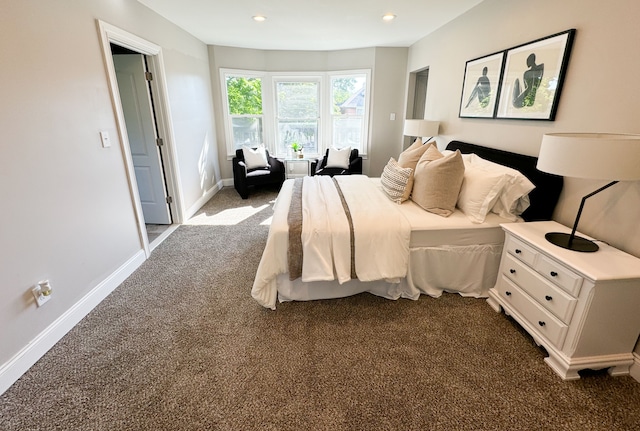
(141, 131)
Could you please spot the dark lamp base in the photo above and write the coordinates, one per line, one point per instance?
(577, 243)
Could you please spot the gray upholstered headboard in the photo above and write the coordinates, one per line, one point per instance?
(548, 187)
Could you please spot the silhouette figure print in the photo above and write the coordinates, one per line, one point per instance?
(482, 90)
(531, 78)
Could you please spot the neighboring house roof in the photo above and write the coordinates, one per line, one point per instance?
(356, 101)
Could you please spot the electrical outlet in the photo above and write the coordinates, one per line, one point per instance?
(37, 292)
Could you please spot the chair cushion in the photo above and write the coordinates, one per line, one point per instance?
(338, 158)
(258, 172)
(332, 171)
(255, 158)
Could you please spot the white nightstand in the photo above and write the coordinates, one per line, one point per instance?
(583, 308)
(297, 168)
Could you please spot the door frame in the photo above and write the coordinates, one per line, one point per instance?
(110, 34)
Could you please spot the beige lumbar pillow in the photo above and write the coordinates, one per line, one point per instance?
(437, 181)
(409, 157)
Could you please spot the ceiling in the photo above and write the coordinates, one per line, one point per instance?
(319, 25)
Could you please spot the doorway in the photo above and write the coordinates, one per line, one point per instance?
(136, 97)
(420, 94)
(136, 76)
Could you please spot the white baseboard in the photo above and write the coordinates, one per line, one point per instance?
(11, 371)
(634, 371)
(203, 199)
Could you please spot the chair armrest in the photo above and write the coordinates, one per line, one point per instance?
(355, 165)
(316, 165)
(276, 164)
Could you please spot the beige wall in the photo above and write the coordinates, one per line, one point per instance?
(67, 213)
(388, 66)
(599, 93)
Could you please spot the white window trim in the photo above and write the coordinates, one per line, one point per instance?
(269, 121)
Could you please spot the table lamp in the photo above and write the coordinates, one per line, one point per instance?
(421, 128)
(601, 156)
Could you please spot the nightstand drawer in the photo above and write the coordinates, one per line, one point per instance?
(561, 276)
(520, 250)
(543, 321)
(547, 294)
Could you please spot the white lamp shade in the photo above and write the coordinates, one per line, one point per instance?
(421, 128)
(602, 156)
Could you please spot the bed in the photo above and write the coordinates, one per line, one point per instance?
(440, 254)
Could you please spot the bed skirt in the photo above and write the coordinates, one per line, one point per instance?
(467, 270)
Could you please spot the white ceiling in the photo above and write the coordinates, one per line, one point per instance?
(309, 25)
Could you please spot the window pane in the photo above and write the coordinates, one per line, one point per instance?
(303, 132)
(245, 95)
(347, 132)
(297, 100)
(246, 131)
(298, 112)
(348, 97)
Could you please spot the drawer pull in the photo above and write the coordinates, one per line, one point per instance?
(518, 251)
(553, 274)
(541, 323)
(507, 293)
(548, 298)
(512, 271)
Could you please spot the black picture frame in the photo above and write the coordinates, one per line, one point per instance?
(533, 76)
(480, 88)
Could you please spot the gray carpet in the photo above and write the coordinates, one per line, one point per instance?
(181, 345)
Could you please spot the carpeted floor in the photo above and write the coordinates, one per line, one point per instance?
(181, 345)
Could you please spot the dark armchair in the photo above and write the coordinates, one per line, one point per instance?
(318, 167)
(243, 177)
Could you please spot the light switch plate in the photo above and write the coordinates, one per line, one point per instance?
(104, 137)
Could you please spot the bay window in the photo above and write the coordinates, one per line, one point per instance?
(316, 110)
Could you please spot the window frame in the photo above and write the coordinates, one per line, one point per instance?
(269, 106)
(228, 118)
(296, 77)
(364, 151)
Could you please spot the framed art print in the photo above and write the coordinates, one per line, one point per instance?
(480, 86)
(533, 76)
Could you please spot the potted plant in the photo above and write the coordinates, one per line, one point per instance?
(297, 149)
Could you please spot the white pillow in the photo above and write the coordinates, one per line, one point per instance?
(255, 158)
(479, 192)
(338, 158)
(514, 198)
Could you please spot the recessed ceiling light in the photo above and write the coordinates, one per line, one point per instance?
(388, 17)
(259, 18)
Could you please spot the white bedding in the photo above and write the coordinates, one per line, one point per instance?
(326, 233)
(449, 254)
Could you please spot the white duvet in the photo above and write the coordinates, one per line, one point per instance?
(381, 236)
